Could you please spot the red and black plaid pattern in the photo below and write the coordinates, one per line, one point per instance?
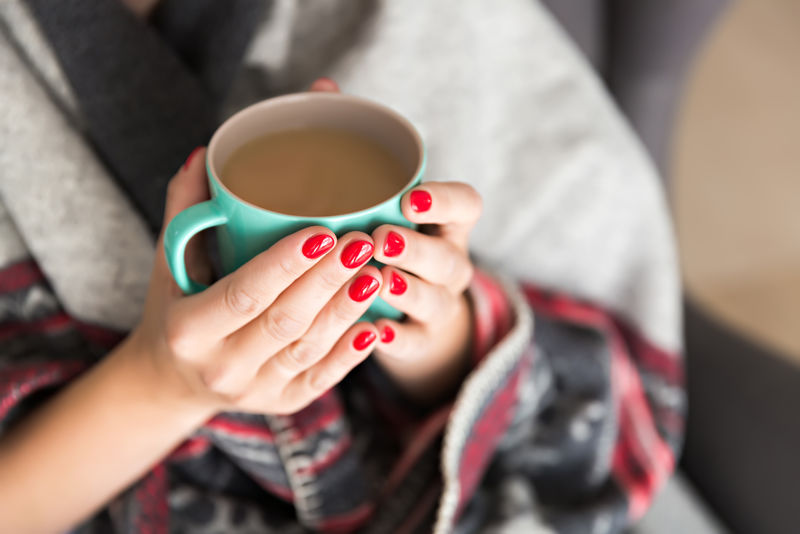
(649, 421)
(308, 459)
(41, 346)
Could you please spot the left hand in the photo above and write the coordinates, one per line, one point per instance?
(425, 277)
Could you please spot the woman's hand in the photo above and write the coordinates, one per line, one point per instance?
(429, 272)
(426, 275)
(268, 338)
(273, 335)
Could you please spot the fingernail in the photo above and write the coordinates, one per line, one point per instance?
(394, 244)
(387, 335)
(364, 340)
(420, 200)
(397, 285)
(363, 287)
(316, 246)
(356, 254)
(189, 159)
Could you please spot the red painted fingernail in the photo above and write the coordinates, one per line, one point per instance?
(316, 246)
(364, 340)
(420, 200)
(356, 254)
(394, 244)
(397, 285)
(363, 287)
(387, 335)
(189, 159)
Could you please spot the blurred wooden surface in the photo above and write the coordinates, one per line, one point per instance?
(736, 173)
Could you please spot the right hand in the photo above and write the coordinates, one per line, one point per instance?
(271, 336)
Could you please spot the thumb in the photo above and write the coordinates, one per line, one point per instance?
(188, 187)
(324, 85)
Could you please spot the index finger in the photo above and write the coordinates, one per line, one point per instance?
(241, 296)
(454, 207)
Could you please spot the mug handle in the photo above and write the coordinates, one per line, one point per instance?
(180, 230)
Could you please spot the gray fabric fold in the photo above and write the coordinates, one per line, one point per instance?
(148, 98)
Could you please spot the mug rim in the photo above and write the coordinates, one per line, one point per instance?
(278, 100)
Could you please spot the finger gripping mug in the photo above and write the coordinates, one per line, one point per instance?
(243, 229)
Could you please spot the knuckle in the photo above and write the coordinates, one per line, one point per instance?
(457, 271)
(328, 281)
(342, 312)
(441, 306)
(300, 355)
(281, 325)
(221, 381)
(468, 272)
(444, 303)
(319, 381)
(429, 302)
(432, 305)
(325, 378)
(240, 301)
(451, 268)
(178, 337)
(287, 268)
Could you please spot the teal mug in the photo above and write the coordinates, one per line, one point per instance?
(245, 230)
